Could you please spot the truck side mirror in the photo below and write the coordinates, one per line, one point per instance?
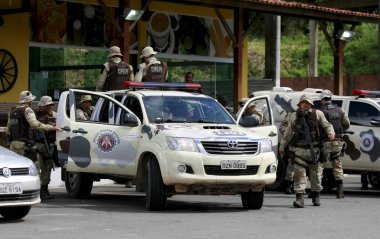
(130, 120)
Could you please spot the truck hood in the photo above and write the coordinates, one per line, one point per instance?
(203, 131)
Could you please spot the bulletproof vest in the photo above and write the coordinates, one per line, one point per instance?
(311, 119)
(117, 74)
(334, 115)
(19, 126)
(156, 72)
(44, 118)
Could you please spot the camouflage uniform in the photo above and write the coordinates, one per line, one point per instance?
(145, 73)
(45, 145)
(303, 157)
(337, 117)
(114, 55)
(290, 168)
(82, 113)
(20, 122)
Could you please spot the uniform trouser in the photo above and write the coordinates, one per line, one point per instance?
(337, 166)
(44, 164)
(17, 147)
(303, 160)
(290, 168)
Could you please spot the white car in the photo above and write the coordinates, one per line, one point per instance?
(19, 185)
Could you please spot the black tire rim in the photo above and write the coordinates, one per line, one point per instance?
(8, 70)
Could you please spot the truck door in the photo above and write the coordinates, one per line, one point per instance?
(101, 144)
(259, 107)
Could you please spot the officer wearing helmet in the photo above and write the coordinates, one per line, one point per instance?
(45, 142)
(114, 72)
(151, 69)
(331, 150)
(306, 123)
(21, 120)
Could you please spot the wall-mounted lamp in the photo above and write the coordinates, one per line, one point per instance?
(345, 35)
(132, 14)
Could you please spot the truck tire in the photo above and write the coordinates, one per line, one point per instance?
(279, 184)
(78, 185)
(156, 191)
(252, 200)
(12, 213)
(374, 180)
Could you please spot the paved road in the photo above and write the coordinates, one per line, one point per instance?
(114, 211)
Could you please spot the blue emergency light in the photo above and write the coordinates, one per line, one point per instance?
(163, 85)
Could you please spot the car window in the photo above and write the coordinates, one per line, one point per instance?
(362, 113)
(133, 104)
(174, 109)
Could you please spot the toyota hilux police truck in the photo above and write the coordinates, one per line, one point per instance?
(169, 141)
(362, 153)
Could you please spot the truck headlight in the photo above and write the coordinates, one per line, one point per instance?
(182, 144)
(265, 146)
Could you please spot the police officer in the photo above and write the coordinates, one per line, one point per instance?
(20, 122)
(288, 150)
(114, 72)
(151, 69)
(84, 111)
(336, 116)
(45, 144)
(305, 124)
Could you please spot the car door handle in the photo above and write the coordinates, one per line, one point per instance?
(81, 131)
(272, 134)
(348, 132)
(66, 128)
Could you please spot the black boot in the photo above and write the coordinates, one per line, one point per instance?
(288, 187)
(339, 189)
(298, 203)
(315, 198)
(45, 194)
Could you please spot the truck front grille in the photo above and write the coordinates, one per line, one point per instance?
(216, 170)
(230, 147)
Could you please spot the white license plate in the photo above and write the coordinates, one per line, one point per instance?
(10, 188)
(233, 164)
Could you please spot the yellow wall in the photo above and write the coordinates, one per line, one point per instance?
(14, 37)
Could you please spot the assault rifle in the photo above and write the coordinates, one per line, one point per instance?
(301, 115)
(284, 104)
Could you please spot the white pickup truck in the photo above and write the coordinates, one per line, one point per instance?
(168, 141)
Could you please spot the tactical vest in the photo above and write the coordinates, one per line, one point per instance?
(117, 74)
(156, 72)
(334, 115)
(44, 118)
(19, 126)
(299, 139)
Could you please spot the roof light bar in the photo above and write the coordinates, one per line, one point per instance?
(365, 92)
(162, 85)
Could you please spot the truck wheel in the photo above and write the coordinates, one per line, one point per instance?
(156, 191)
(374, 180)
(14, 212)
(252, 200)
(279, 184)
(78, 185)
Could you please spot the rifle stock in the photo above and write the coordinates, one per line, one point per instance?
(284, 104)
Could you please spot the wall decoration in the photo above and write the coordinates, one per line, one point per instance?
(8, 70)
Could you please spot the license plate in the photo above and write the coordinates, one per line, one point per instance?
(10, 188)
(233, 164)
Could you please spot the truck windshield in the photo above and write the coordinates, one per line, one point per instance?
(175, 109)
